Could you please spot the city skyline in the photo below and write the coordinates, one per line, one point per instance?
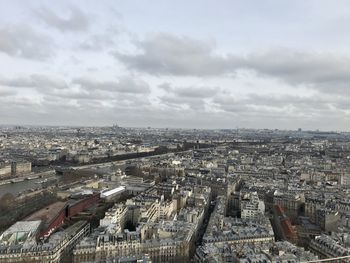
(277, 64)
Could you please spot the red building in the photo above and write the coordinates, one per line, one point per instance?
(54, 215)
(284, 225)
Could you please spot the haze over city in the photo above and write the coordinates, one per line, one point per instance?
(191, 64)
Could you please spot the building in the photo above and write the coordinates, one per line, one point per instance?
(21, 233)
(5, 170)
(326, 247)
(251, 206)
(290, 202)
(19, 243)
(51, 217)
(20, 168)
(283, 226)
(112, 194)
(275, 252)
(148, 224)
(222, 229)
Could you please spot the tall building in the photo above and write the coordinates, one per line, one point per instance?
(251, 206)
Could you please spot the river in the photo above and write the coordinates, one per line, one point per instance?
(16, 188)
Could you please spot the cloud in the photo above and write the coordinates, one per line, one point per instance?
(97, 42)
(22, 41)
(7, 93)
(175, 55)
(124, 91)
(190, 91)
(164, 54)
(170, 110)
(321, 71)
(75, 21)
(290, 107)
(123, 85)
(187, 97)
(37, 81)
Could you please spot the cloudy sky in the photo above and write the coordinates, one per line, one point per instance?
(192, 64)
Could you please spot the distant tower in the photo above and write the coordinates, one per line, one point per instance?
(78, 132)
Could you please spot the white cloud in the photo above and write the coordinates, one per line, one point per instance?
(75, 21)
(24, 42)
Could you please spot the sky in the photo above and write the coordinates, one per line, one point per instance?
(276, 64)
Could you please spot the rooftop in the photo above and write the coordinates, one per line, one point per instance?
(47, 214)
(20, 232)
(117, 190)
